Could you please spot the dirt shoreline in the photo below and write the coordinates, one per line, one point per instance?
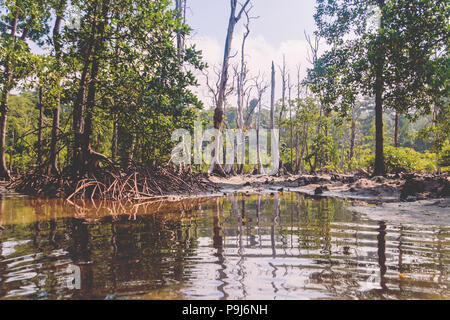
(415, 198)
(407, 198)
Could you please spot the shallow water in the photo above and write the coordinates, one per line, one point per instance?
(281, 246)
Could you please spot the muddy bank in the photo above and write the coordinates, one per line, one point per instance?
(407, 198)
(424, 212)
(407, 187)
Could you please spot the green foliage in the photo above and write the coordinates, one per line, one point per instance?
(22, 135)
(398, 160)
(444, 157)
(144, 82)
(411, 33)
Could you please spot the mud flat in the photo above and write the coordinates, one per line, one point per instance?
(425, 212)
(405, 198)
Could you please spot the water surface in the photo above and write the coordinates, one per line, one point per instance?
(280, 246)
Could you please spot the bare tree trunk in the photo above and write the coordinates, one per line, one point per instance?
(180, 6)
(261, 88)
(396, 130)
(342, 149)
(258, 151)
(13, 142)
(40, 127)
(131, 152)
(283, 104)
(283, 91)
(272, 97)
(379, 154)
(4, 106)
(80, 102)
(352, 140)
(304, 145)
(297, 136)
(219, 110)
(92, 88)
(290, 122)
(115, 139)
(85, 159)
(56, 111)
(379, 169)
(241, 90)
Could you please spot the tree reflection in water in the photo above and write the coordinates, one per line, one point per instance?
(279, 246)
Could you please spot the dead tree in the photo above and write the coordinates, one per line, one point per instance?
(313, 56)
(284, 76)
(272, 97)
(235, 16)
(290, 121)
(261, 87)
(298, 158)
(243, 90)
(284, 86)
(180, 7)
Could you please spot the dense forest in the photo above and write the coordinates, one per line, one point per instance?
(93, 84)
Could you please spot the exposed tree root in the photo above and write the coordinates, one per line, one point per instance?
(113, 184)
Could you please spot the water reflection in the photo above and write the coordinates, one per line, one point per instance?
(280, 246)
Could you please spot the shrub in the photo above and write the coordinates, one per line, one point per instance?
(444, 157)
(399, 160)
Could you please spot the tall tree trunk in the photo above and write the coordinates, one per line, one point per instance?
(40, 127)
(342, 150)
(297, 136)
(131, 151)
(4, 105)
(290, 122)
(241, 96)
(241, 80)
(283, 92)
(352, 140)
(56, 111)
(283, 103)
(180, 6)
(79, 105)
(379, 169)
(219, 110)
(396, 130)
(272, 97)
(304, 146)
(258, 147)
(13, 142)
(115, 139)
(84, 158)
(88, 154)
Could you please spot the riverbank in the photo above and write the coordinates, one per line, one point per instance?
(418, 198)
(406, 197)
(406, 187)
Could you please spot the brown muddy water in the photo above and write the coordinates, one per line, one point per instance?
(281, 246)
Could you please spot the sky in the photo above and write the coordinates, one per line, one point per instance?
(278, 31)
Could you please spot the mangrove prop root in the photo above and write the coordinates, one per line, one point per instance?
(114, 184)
